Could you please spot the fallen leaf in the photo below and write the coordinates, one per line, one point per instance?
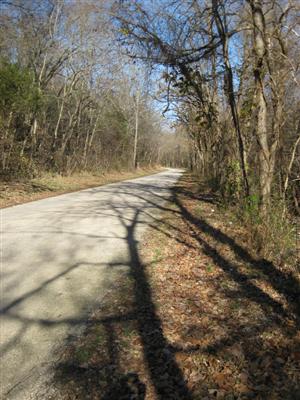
(244, 377)
(242, 388)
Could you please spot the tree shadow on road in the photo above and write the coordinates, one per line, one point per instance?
(99, 363)
(107, 379)
(110, 378)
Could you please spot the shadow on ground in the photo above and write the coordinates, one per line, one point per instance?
(107, 379)
(93, 366)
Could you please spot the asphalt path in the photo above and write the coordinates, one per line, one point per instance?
(59, 256)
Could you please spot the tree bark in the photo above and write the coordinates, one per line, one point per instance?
(266, 169)
(292, 159)
(135, 162)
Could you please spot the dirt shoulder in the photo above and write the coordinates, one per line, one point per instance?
(13, 193)
(198, 317)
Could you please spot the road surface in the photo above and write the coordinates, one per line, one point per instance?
(59, 257)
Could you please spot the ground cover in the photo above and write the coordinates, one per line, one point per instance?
(198, 317)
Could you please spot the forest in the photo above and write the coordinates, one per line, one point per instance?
(156, 144)
(211, 86)
(71, 99)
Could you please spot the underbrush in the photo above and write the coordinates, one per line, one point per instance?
(273, 237)
(19, 168)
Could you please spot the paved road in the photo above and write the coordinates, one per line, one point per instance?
(59, 257)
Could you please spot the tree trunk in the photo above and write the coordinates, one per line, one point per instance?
(291, 162)
(33, 135)
(260, 50)
(135, 162)
(61, 109)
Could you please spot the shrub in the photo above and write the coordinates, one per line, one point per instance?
(273, 237)
(20, 167)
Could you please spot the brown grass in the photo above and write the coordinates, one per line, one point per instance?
(48, 185)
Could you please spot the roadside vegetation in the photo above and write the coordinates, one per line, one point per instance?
(210, 307)
(72, 104)
(48, 185)
(231, 73)
(83, 85)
